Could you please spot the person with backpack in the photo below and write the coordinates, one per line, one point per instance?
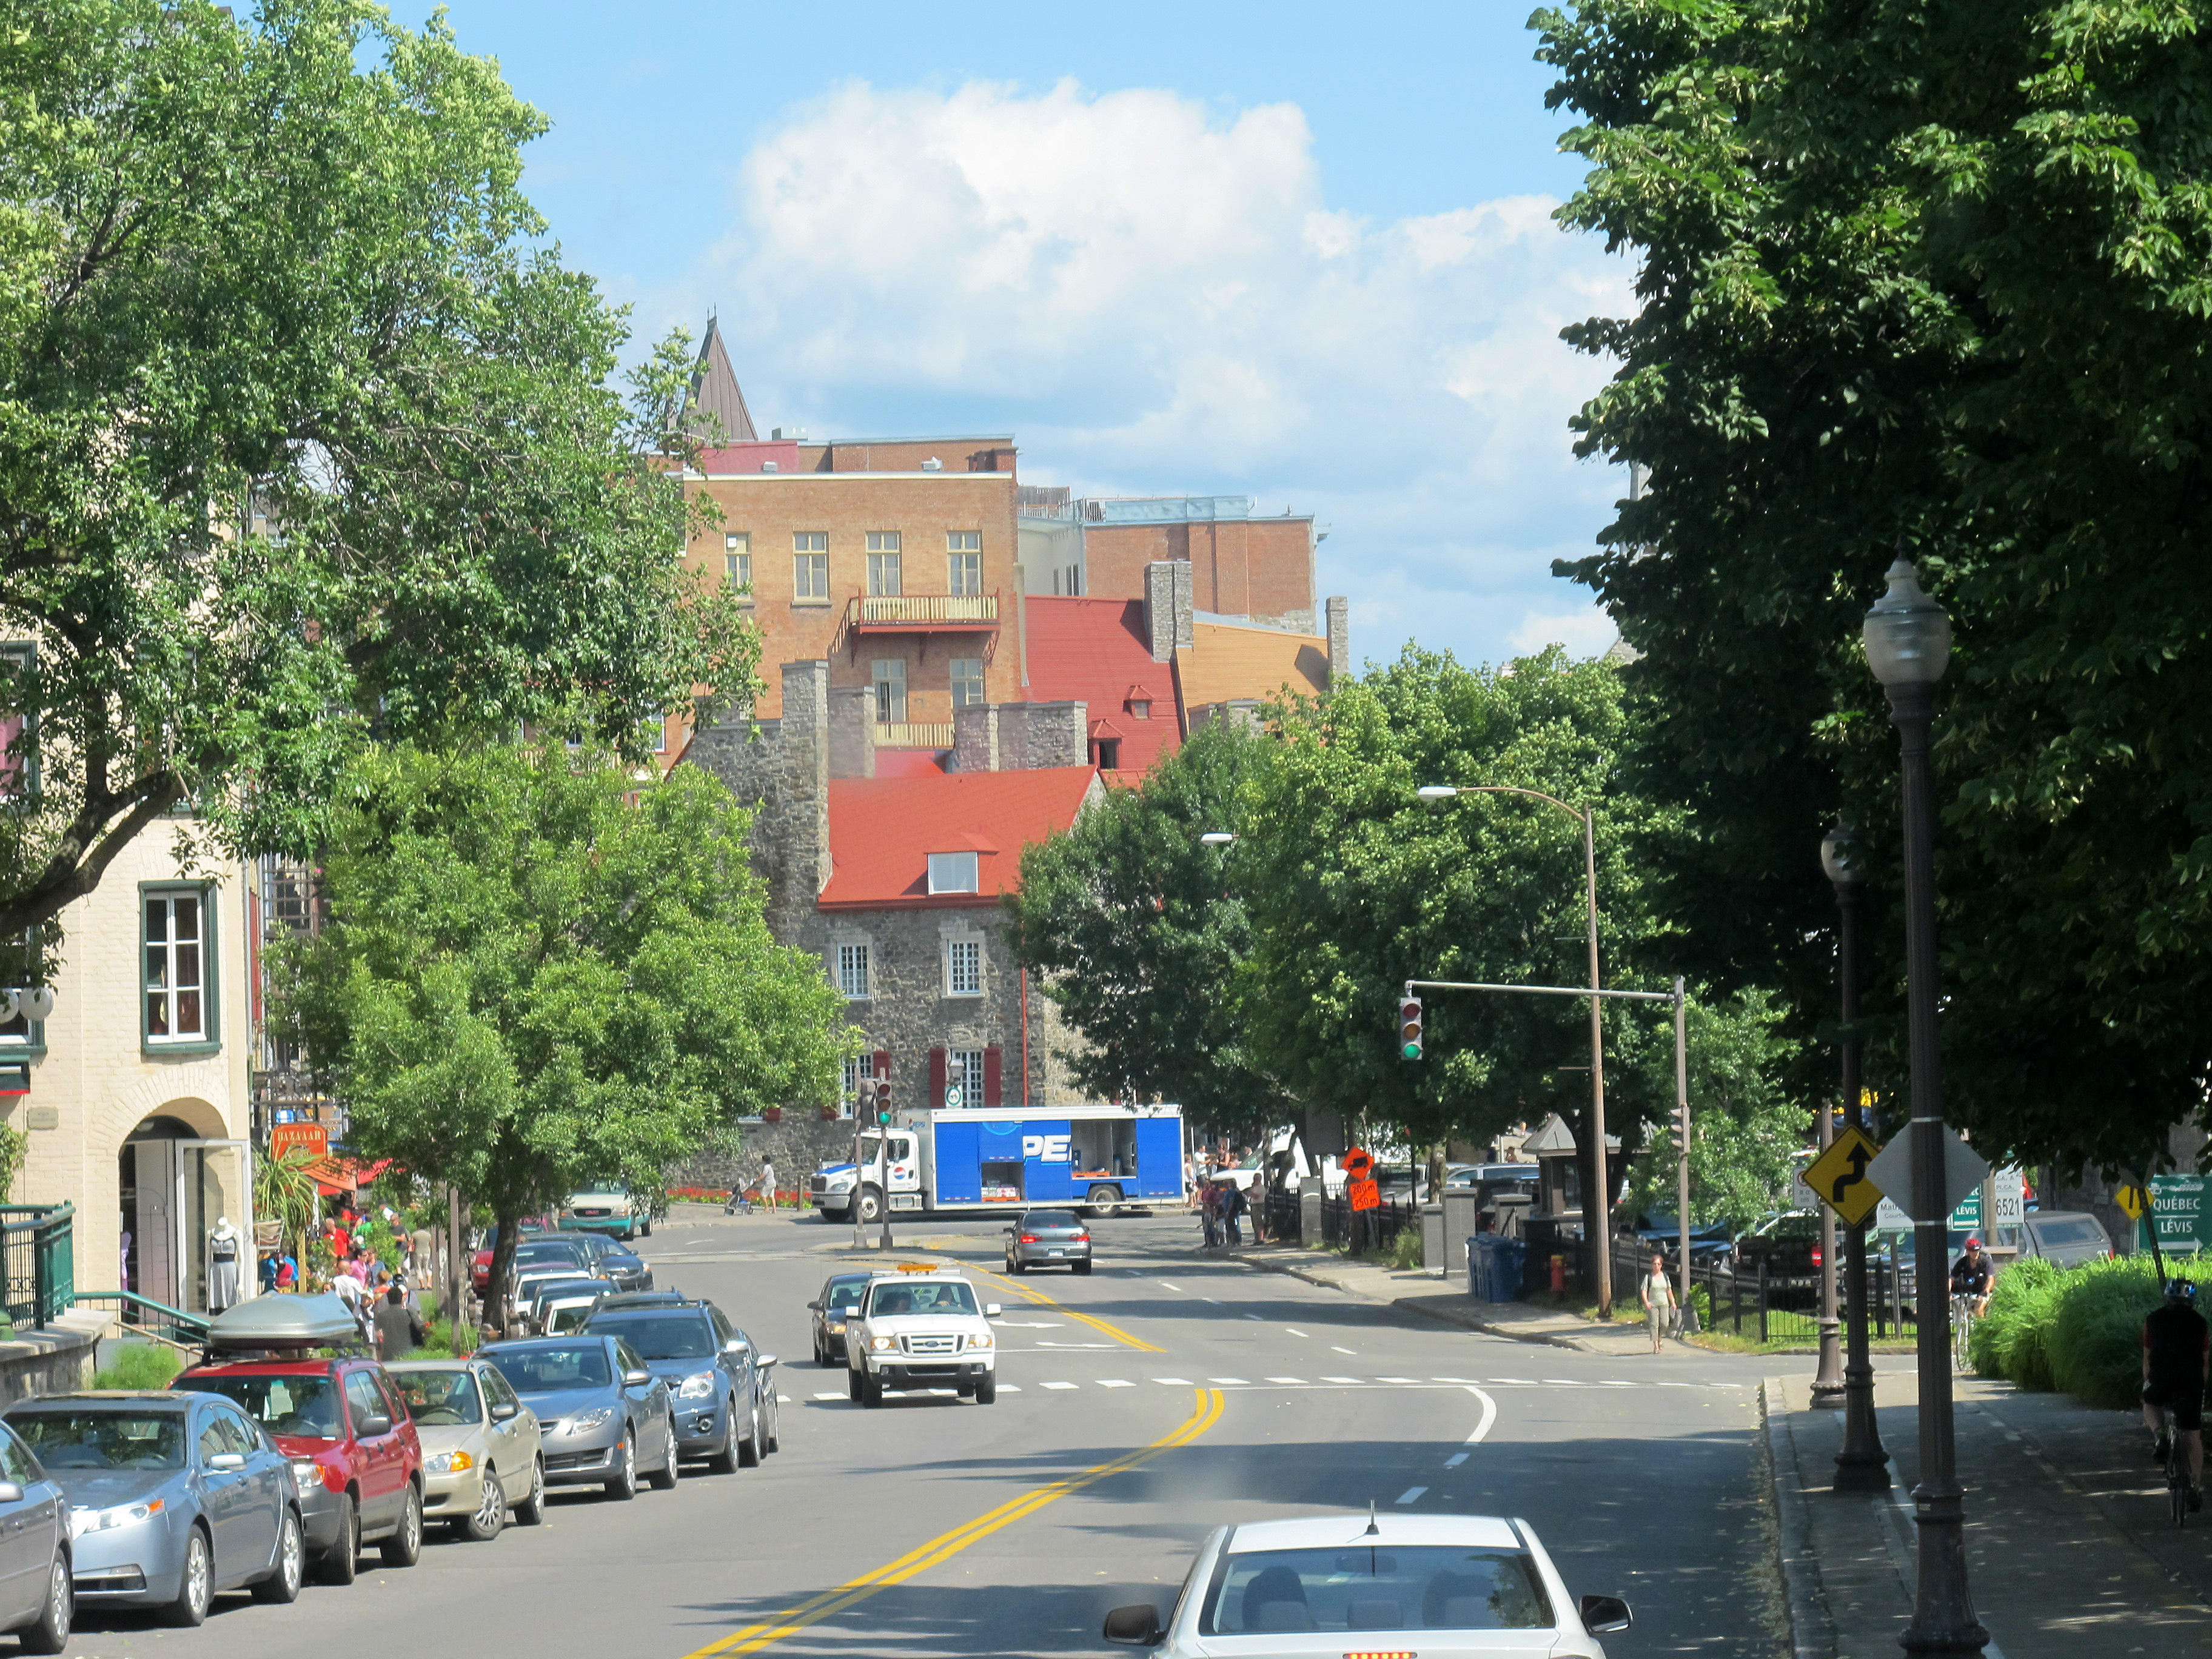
(1233, 1205)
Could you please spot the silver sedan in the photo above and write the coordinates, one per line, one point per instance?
(604, 1415)
(1049, 1238)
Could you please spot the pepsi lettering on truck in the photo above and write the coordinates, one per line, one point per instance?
(1094, 1158)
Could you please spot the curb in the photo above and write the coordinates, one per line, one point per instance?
(1812, 1633)
(1443, 1316)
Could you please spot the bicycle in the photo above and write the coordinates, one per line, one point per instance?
(1962, 1328)
(2177, 1477)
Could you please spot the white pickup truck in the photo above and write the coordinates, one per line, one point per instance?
(920, 1326)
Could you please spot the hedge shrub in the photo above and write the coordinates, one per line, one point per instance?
(2079, 1330)
(2009, 1341)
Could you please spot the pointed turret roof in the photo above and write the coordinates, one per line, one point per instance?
(715, 390)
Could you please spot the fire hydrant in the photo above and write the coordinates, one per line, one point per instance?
(1558, 1275)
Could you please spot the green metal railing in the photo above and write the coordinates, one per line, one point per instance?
(38, 1252)
(145, 1315)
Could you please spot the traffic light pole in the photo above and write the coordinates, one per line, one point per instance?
(1602, 1227)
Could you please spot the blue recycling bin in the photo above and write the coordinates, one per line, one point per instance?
(1494, 1266)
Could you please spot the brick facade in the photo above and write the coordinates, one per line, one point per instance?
(1262, 569)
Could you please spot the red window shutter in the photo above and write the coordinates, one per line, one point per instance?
(936, 1080)
(991, 1076)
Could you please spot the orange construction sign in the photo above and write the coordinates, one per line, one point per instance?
(1366, 1194)
(1358, 1163)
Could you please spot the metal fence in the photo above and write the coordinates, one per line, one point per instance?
(1284, 1215)
(38, 1253)
(1753, 1301)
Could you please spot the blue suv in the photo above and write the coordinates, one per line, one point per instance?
(721, 1386)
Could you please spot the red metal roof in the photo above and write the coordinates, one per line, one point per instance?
(882, 831)
(1096, 650)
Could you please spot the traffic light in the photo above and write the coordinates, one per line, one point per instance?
(1409, 1027)
(882, 1093)
(1681, 1116)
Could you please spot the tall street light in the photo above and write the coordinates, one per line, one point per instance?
(1862, 1465)
(1598, 1206)
(1908, 645)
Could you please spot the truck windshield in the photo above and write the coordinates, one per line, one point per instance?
(953, 1297)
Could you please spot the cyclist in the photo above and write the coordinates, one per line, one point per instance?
(2176, 1341)
(1971, 1276)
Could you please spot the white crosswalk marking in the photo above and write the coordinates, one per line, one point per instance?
(1115, 1382)
(1411, 1493)
(1333, 1348)
(1344, 1379)
(1059, 1385)
(783, 1399)
(1394, 1379)
(1518, 1381)
(1619, 1382)
(1563, 1381)
(1230, 1382)
(1174, 1382)
(1009, 1388)
(829, 1394)
(1299, 1380)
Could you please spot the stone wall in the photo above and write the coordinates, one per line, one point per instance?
(1339, 639)
(798, 1145)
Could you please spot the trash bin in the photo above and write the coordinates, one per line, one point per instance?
(1508, 1260)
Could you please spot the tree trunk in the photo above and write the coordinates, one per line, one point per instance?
(502, 1263)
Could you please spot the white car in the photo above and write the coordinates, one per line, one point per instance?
(920, 1329)
(1445, 1586)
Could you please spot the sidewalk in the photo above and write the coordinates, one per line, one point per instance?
(2069, 1551)
(1426, 1294)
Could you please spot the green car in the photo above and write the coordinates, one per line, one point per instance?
(607, 1207)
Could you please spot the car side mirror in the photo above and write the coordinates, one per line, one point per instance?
(814, 1307)
(636, 1379)
(735, 1345)
(502, 1411)
(1138, 1627)
(374, 1424)
(10, 1493)
(1603, 1614)
(764, 1362)
(991, 1310)
(226, 1462)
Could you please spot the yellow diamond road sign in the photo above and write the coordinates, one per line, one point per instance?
(2134, 1200)
(1839, 1176)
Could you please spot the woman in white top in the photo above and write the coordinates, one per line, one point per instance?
(1658, 1300)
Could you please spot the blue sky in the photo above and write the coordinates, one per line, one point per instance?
(1294, 251)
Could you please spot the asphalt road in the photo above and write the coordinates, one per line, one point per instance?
(1139, 1407)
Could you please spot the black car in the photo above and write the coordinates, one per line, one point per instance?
(721, 1386)
(840, 1297)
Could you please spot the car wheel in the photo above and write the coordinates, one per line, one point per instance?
(343, 1560)
(723, 1459)
(1017, 1266)
(404, 1547)
(195, 1586)
(51, 1633)
(775, 1441)
(282, 1586)
(986, 1390)
(664, 1478)
(1083, 1267)
(645, 1228)
(532, 1509)
(490, 1517)
(749, 1449)
(871, 1205)
(623, 1486)
(872, 1390)
(852, 1390)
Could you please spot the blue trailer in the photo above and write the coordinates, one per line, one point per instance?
(1093, 1157)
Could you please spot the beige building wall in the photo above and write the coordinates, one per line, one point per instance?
(100, 1080)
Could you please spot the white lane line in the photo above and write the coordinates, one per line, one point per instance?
(1230, 1382)
(1394, 1379)
(1252, 1316)
(1677, 1385)
(1517, 1382)
(1489, 1416)
(1333, 1348)
(1454, 1460)
(1164, 1285)
(1300, 1381)
(1294, 1332)
(1451, 1379)
(1344, 1379)
(783, 1399)
(1563, 1381)
(1174, 1382)
(829, 1394)
(1115, 1382)
(1059, 1385)
(1411, 1493)
(1009, 1388)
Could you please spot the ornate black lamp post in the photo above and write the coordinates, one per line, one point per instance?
(1862, 1465)
(1908, 645)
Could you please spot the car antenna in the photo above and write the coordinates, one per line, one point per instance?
(1373, 1531)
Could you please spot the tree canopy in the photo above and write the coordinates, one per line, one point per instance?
(540, 971)
(306, 434)
(1935, 277)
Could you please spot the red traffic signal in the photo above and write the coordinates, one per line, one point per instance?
(1409, 1027)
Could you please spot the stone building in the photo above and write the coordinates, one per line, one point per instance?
(892, 875)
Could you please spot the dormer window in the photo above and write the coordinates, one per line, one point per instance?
(1140, 708)
(953, 872)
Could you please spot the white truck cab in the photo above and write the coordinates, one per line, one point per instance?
(919, 1326)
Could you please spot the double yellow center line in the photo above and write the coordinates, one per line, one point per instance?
(754, 1638)
(1114, 1331)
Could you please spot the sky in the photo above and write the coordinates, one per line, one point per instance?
(1295, 252)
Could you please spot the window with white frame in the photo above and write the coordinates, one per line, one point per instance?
(964, 966)
(888, 676)
(967, 681)
(852, 971)
(884, 562)
(655, 729)
(810, 567)
(965, 1067)
(737, 563)
(18, 968)
(177, 991)
(857, 1069)
(953, 872)
(964, 561)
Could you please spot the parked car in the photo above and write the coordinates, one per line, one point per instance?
(1485, 1580)
(2064, 1238)
(607, 1207)
(38, 1601)
(722, 1386)
(480, 1457)
(626, 1269)
(1788, 1245)
(1049, 1238)
(644, 1299)
(602, 1413)
(170, 1498)
(840, 1297)
(540, 1259)
(561, 1311)
(355, 1457)
(545, 1291)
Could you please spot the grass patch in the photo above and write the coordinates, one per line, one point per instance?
(139, 1365)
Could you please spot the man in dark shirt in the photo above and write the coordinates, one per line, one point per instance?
(2175, 1344)
(398, 1327)
(1971, 1276)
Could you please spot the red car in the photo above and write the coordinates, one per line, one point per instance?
(355, 1454)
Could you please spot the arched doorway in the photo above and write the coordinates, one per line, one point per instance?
(177, 1177)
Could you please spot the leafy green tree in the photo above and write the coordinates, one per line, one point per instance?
(541, 971)
(1935, 274)
(1353, 886)
(304, 434)
(1134, 932)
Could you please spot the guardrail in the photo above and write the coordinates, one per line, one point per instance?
(893, 609)
(37, 1247)
(148, 1317)
(914, 734)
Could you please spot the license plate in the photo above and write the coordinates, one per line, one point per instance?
(1056, 1250)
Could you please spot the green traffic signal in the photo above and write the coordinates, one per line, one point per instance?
(1409, 1027)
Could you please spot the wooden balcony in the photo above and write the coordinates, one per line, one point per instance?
(949, 613)
(914, 734)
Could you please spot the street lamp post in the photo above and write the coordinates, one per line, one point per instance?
(1862, 1465)
(1600, 1206)
(1908, 645)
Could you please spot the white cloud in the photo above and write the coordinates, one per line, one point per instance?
(1587, 633)
(1153, 294)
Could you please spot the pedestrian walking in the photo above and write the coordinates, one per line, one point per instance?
(768, 1184)
(1233, 1207)
(1209, 1213)
(1658, 1295)
(398, 1327)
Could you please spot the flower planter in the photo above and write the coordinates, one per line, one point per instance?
(828, 1113)
(772, 1114)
